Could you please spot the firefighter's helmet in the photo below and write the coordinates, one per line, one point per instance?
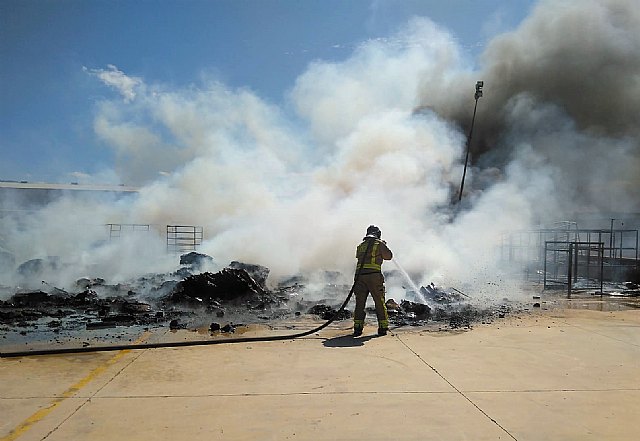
(374, 231)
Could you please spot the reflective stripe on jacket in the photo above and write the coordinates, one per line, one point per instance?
(378, 251)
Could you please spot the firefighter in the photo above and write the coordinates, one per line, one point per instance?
(369, 279)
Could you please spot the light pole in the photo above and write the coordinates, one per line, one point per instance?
(477, 95)
(611, 238)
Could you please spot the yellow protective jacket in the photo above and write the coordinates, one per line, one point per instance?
(376, 252)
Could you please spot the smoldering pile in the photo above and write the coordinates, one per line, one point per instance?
(190, 298)
(178, 300)
(448, 308)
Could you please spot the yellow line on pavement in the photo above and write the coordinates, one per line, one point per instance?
(71, 391)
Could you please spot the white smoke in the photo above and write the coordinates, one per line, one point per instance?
(111, 76)
(297, 197)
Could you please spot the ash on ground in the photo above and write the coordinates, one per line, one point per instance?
(220, 301)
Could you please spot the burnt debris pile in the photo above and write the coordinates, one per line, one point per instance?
(194, 262)
(34, 266)
(194, 295)
(455, 316)
(231, 285)
(437, 306)
(326, 312)
(408, 313)
(433, 293)
(79, 310)
(182, 299)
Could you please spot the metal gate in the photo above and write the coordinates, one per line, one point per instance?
(573, 265)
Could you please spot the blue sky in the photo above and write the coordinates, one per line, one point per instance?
(48, 101)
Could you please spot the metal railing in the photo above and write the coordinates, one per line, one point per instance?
(116, 231)
(183, 238)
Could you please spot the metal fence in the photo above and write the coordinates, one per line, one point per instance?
(573, 265)
(183, 238)
(570, 257)
(116, 231)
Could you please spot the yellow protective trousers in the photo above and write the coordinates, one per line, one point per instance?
(370, 283)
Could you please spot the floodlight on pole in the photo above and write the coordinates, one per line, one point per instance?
(477, 95)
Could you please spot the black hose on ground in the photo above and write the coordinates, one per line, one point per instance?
(78, 350)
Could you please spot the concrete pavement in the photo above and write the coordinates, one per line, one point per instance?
(562, 374)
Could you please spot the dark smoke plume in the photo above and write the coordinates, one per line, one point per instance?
(567, 84)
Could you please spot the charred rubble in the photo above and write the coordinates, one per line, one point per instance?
(219, 299)
(156, 300)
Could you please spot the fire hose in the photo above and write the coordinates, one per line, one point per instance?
(130, 346)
